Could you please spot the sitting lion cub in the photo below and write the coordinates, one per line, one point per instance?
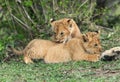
(82, 48)
(64, 29)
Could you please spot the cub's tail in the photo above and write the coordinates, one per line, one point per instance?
(17, 52)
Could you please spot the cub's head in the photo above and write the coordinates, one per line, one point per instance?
(92, 42)
(62, 29)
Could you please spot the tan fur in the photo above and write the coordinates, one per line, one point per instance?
(75, 49)
(36, 49)
(94, 41)
(67, 27)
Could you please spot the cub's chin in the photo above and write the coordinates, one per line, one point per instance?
(63, 40)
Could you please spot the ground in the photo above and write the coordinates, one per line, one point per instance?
(83, 71)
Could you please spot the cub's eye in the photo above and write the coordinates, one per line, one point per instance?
(95, 44)
(61, 33)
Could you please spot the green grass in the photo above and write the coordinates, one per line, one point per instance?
(83, 71)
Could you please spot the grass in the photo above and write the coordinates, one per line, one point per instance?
(82, 71)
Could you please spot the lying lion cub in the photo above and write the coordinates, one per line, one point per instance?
(82, 48)
(64, 29)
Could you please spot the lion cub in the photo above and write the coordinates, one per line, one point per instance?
(86, 47)
(75, 49)
(64, 29)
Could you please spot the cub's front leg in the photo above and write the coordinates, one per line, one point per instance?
(92, 57)
(87, 57)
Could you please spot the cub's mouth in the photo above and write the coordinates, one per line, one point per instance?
(65, 40)
(59, 41)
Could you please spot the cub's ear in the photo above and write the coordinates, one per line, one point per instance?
(85, 38)
(52, 23)
(98, 31)
(68, 20)
(52, 20)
